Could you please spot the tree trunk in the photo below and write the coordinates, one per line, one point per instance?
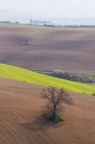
(54, 113)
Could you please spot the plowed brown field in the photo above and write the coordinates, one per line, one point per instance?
(50, 49)
(20, 121)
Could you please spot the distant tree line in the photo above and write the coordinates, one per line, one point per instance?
(5, 22)
(9, 22)
(69, 26)
(80, 26)
(83, 78)
(74, 77)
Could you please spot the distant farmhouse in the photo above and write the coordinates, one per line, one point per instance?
(39, 22)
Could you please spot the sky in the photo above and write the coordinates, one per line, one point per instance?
(47, 8)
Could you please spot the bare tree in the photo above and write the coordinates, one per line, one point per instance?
(56, 97)
(26, 42)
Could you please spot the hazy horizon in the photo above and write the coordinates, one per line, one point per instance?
(23, 11)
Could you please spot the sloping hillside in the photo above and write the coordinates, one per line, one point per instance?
(66, 49)
(20, 117)
(11, 72)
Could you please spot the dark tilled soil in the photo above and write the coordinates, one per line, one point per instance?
(48, 49)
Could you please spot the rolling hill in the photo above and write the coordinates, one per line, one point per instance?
(65, 49)
(15, 73)
(21, 121)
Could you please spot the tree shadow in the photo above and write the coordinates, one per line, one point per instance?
(40, 123)
(25, 44)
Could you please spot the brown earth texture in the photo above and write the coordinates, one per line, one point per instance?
(48, 49)
(21, 123)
